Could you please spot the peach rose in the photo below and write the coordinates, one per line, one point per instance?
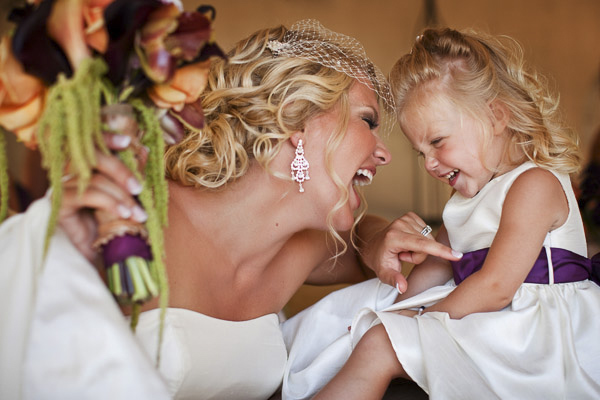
(77, 35)
(22, 97)
(185, 87)
(96, 35)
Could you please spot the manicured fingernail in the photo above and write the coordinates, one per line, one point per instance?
(457, 254)
(139, 214)
(121, 140)
(398, 288)
(134, 186)
(123, 211)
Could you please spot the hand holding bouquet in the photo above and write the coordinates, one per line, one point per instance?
(73, 69)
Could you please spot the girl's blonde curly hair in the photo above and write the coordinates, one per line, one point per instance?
(473, 69)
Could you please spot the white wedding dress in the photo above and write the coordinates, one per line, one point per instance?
(62, 335)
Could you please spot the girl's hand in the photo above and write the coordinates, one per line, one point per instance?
(112, 189)
(402, 241)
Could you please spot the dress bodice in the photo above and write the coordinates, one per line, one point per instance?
(472, 223)
(209, 358)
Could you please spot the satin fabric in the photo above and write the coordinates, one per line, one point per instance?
(567, 267)
(544, 345)
(62, 335)
(209, 358)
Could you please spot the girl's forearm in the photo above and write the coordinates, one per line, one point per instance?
(477, 293)
(432, 272)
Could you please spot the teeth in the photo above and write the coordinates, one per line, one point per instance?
(451, 174)
(367, 174)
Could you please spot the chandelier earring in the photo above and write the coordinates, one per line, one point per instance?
(300, 166)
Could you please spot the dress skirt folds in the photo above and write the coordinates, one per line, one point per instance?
(544, 345)
(62, 335)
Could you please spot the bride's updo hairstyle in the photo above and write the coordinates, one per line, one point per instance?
(270, 85)
(471, 70)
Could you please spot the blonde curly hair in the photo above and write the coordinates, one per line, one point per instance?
(253, 103)
(473, 69)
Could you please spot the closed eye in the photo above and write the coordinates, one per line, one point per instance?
(436, 142)
(371, 122)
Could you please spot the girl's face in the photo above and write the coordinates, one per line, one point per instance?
(354, 161)
(452, 144)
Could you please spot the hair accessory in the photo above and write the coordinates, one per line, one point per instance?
(300, 166)
(310, 40)
(275, 46)
(426, 231)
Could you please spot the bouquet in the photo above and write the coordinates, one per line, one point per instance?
(73, 69)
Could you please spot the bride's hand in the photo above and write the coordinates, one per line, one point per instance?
(112, 189)
(402, 240)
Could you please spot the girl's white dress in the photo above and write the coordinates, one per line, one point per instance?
(544, 345)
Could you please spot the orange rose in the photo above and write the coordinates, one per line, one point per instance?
(76, 35)
(21, 97)
(185, 87)
(95, 32)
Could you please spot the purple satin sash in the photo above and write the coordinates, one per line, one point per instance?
(568, 266)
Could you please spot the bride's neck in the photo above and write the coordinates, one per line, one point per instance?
(249, 219)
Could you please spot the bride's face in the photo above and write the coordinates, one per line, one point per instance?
(354, 162)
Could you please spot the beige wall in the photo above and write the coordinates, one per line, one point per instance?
(561, 38)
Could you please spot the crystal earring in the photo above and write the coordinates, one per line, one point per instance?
(300, 166)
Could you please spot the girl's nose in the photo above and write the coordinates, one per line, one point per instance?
(381, 153)
(431, 163)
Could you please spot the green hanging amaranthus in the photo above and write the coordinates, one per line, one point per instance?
(71, 137)
(69, 130)
(150, 68)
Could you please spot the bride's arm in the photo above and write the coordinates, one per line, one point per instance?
(382, 246)
(434, 271)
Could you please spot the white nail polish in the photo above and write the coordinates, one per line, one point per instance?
(134, 186)
(123, 211)
(139, 214)
(457, 254)
(398, 288)
(121, 140)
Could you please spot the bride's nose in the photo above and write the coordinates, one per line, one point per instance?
(381, 153)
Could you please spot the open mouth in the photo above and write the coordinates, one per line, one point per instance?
(363, 177)
(451, 176)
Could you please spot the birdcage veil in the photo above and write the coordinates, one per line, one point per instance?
(310, 40)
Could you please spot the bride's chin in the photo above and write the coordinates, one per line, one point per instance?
(343, 223)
